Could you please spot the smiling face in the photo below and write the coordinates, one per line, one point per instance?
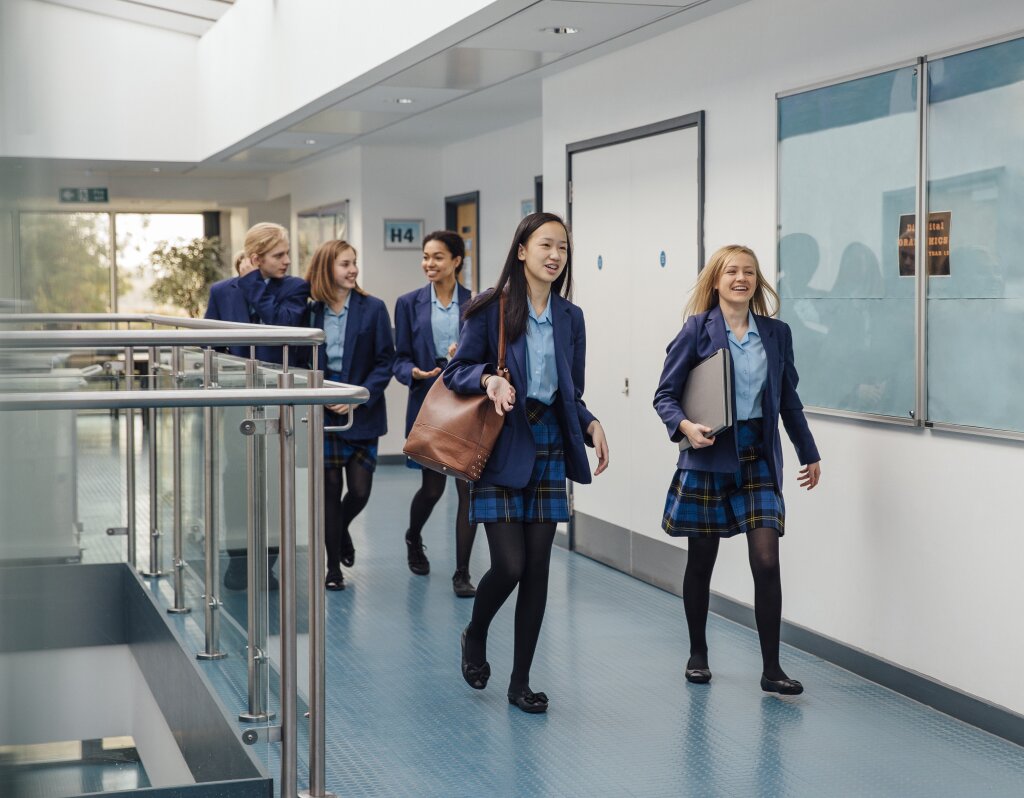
(544, 255)
(438, 263)
(738, 280)
(345, 270)
(276, 261)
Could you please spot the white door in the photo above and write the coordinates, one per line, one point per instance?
(635, 204)
(601, 276)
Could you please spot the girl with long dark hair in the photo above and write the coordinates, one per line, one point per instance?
(427, 323)
(521, 494)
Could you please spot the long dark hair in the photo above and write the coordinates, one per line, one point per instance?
(452, 242)
(514, 277)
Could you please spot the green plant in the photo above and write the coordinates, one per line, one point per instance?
(185, 272)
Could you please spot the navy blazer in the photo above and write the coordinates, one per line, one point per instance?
(369, 354)
(511, 462)
(704, 334)
(414, 344)
(281, 301)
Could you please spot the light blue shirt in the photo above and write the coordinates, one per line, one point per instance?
(444, 322)
(750, 368)
(335, 325)
(542, 374)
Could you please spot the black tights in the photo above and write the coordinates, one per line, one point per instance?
(423, 504)
(338, 512)
(520, 555)
(763, 552)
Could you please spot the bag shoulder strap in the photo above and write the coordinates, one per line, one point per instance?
(502, 370)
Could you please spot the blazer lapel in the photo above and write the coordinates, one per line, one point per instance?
(715, 328)
(562, 324)
(515, 354)
(355, 315)
(770, 342)
(423, 333)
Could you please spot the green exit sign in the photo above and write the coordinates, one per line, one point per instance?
(84, 195)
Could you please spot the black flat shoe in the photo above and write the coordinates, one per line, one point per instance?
(476, 676)
(418, 562)
(462, 586)
(348, 552)
(698, 675)
(334, 582)
(781, 686)
(529, 701)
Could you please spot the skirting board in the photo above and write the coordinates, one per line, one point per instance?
(661, 564)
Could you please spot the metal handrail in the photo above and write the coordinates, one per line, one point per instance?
(331, 393)
(256, 334)
(118, 318)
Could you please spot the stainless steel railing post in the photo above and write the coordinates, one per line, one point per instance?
(211, 475)
(155, 547)
(256, 490)
(179, 607)
(289, 684)
(129, 442)
(317, 609)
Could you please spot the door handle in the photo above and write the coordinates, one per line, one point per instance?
(625, 387)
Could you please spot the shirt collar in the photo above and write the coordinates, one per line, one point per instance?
(436, 301)
(751, 329)
(344, 309)
(545, 317)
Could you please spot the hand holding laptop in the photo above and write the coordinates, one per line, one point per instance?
(699, 435)
(707, 401)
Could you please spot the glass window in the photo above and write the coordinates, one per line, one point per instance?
(847, 172)
(976, 283)
(66, 262)
(318, 226)
(138, 236)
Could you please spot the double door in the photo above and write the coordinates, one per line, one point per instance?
(635, 220)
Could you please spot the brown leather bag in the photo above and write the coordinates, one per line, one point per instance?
(455, 433)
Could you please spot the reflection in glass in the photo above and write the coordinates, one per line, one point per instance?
(847, 166)
(976, 173)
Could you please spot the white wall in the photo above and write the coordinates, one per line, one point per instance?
(501, 166)
(278, 57)
(82, 85)
(888, 554)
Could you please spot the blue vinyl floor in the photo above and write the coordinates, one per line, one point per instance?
(622, 720)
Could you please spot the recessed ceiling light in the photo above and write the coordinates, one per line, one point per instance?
(404, 101)
(156, 168)
(311, 141)
(560, 29)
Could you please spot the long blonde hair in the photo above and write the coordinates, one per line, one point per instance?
(764, 302)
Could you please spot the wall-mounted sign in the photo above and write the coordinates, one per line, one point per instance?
(526, 207)
(937, 242)
(84, 195)
(403, 233)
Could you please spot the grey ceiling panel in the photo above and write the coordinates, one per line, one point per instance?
(596, 23)
(471, 68)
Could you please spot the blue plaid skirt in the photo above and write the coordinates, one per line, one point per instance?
(339, 452)
(544, 499)
(712, 503)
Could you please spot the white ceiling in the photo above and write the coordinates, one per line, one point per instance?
(193, 17)
(489, 79)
